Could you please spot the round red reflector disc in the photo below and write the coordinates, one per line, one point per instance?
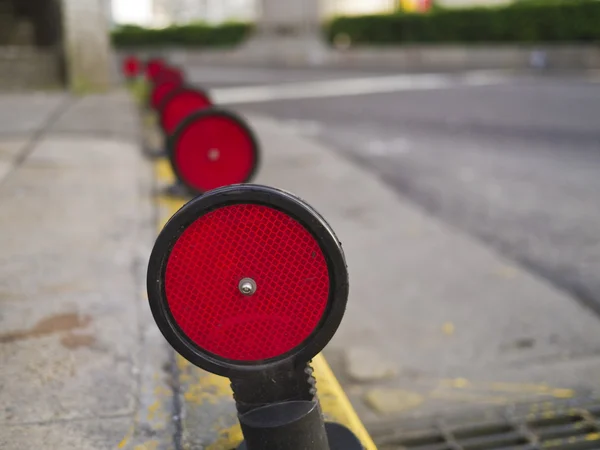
(161, 90)
(213, 148)
(131, 67)
(154, 67)
(171, 74)
(179, 104)
(240, 242)
(247, 277)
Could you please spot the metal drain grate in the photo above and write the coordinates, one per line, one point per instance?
(573, 428)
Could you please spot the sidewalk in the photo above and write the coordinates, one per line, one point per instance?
(80, 356)
(436, 322)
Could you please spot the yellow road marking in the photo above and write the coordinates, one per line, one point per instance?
(126, 439)
(336, 404)
(540, 389)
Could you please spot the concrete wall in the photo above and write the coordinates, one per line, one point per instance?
(287, 30)
(454, 57)
(288, 17)
(408, 58)
(45, 19)
(29, 68)
(47, 39)
(29, 45)
(86, 44)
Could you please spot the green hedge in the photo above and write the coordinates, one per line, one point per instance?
(525, 21)
(196, 35)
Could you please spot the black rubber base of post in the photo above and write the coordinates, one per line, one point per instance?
(178, 190)
(339, 437)
(153, 153)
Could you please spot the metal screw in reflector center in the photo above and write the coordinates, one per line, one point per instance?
(214, 154)
(247, 286)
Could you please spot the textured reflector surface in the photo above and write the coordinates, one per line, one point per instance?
(169, 74)
(172, 74)
(214, 151)
(230, 244)
(161, 90)
(180, 106)
(153, 68)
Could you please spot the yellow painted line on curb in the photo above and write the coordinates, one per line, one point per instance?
(209, 388)
(335, 402)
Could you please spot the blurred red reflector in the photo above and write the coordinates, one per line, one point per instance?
(180, 106)
(162, 90)
(238, 242)
(171, 74)
(213, 151)
(131, 67)
(153, 68)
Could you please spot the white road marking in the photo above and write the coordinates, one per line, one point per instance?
(483, 77)
(400, 145)
(305, 127)
(377, 148)
(353, 86)
(395, 147)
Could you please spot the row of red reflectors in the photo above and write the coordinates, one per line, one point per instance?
(232, 330)
(174, 101)
(153, 69)
(286, 308)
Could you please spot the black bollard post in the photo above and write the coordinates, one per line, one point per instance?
(285, 426)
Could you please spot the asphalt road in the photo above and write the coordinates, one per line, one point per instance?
(509, 161)
(514, 164)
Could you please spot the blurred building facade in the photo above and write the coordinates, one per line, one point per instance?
(52, 43)
(162, 13)
(30, 38)
(30, 23)
(461, 3)
(356, 7)
(167, 12)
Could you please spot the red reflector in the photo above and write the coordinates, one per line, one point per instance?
(172, 73)
(131, 67)
(213, 150)
(154, 67)
(237, 242)
(161, 90)
(179, 106)
(169, 74)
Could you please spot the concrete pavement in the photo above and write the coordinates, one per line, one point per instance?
(81, 360)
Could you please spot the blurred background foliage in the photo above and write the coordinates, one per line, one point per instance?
(191, 35)
(524, 21)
